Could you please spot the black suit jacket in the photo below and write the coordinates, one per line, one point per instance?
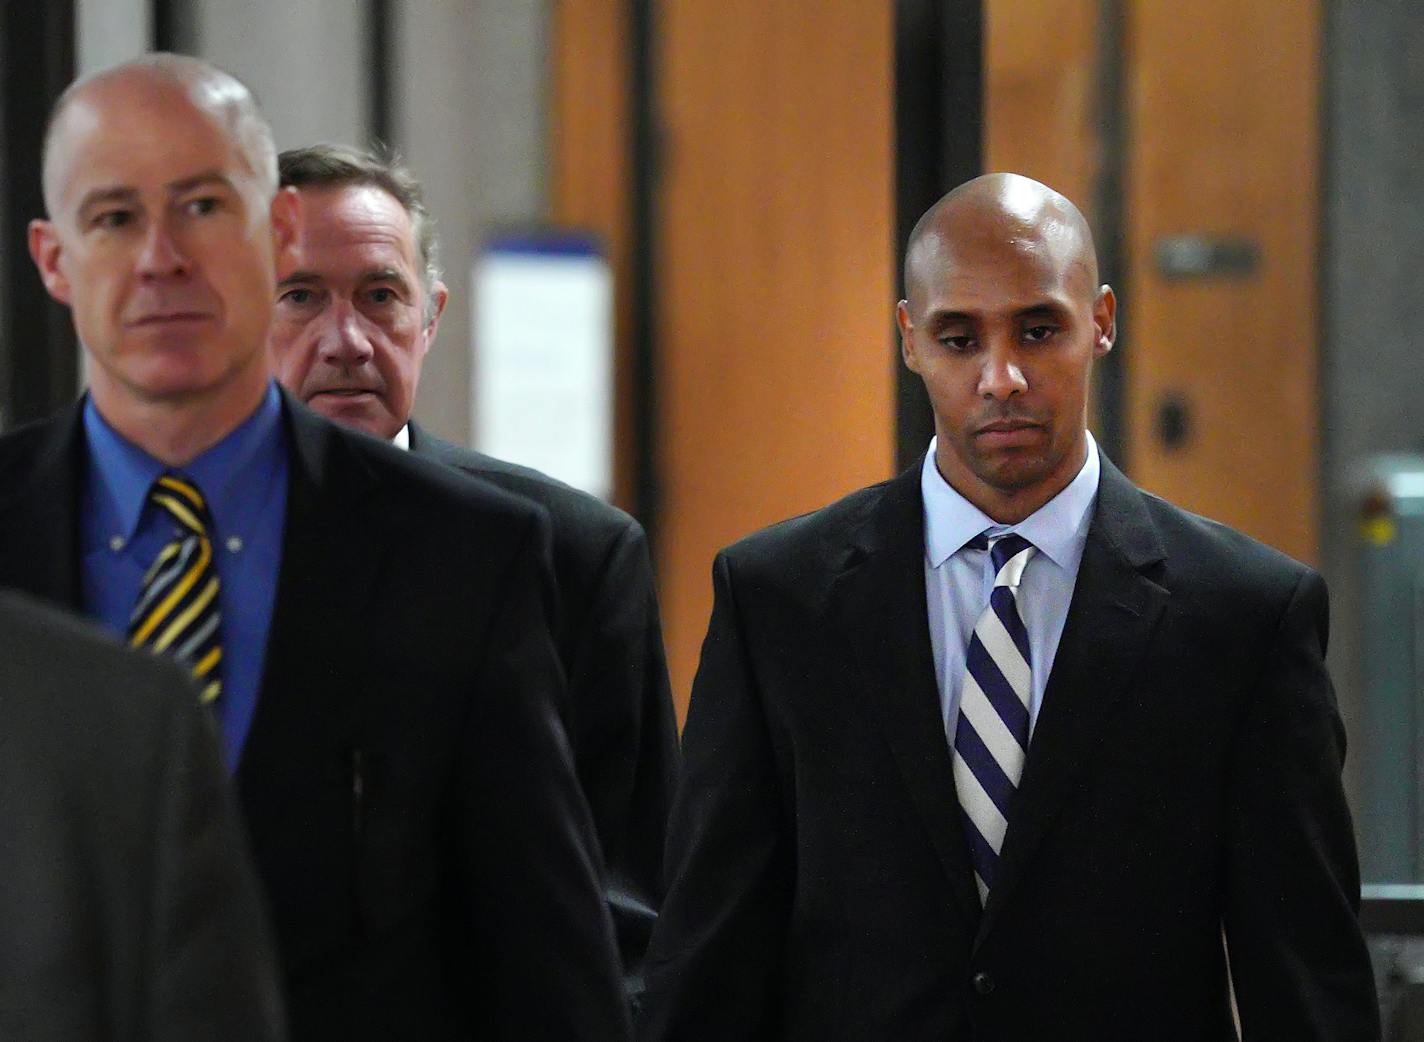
(618, 711)
(1183, 776)
(129, 905)
(428, 856)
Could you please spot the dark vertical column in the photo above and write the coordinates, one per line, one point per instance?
(379, 41)
(174, 26)
(38, 363)
(643, 275)
(939, 117)
(1109, 371)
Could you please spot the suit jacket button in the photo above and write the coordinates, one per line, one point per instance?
(983, 983)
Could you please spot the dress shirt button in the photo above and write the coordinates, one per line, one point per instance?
(983, 983)
(116, 543)
(234, 543)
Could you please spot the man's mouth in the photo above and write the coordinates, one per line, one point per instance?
(170, 318)
(1008, 433)
(341, 392)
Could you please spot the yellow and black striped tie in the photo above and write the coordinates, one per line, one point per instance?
(177, 610)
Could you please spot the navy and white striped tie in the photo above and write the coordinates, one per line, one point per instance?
(991, 738)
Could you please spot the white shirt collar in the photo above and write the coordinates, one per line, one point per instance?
(402, 437)
(1058, 528)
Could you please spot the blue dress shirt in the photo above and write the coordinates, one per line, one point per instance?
(244, 479)
(958, 580)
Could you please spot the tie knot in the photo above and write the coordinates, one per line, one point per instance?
(1010, 555)
(184, 503)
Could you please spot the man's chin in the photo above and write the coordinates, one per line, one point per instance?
(364, 411)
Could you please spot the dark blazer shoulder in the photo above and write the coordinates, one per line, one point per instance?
(819, 537)
(332, 455)
(50, 646)
(573, 511)
(1220, 557)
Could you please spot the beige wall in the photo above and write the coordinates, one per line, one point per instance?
(776, 278)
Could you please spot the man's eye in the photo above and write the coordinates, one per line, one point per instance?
(113, 219)
(956, 342)
(383, 295)
(1037, 334)
(296, 296)
(201, 207)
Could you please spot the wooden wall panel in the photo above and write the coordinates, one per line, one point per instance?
(1223, 131)
(1040, 93)
(775, 358)
(590, 184)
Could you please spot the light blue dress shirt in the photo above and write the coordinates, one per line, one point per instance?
(244, 480)
(958, 580)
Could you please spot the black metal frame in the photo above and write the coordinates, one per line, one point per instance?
(645, 167)
(1397, 910)
(1108, 204)
(939, 122)
(380, 102)
(39, 365)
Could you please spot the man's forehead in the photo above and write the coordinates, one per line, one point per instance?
(1003, 266)
(355, 217)
(158, 141)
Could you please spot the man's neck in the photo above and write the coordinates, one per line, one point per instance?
(1012, 506)
(175, 432)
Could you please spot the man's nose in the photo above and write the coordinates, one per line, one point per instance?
(1001, 376)
(162, 255)
(343, 341)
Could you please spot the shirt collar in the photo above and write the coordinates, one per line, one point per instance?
(1058, 528)
(124, 473)
(402, 437)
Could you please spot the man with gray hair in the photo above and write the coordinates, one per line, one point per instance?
(426, 851)
(356, 312)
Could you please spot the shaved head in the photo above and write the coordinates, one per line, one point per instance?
(1002, 319)
(205, 86)
(163, 233)
(1004, 208)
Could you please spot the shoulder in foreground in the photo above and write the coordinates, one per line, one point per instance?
(49, 654)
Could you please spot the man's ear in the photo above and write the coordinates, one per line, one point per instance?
(286, 219)
(435, 307)
(907, 340)
(1104, 321)
(45, 249)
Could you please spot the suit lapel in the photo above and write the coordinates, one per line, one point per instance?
(331, 553)
(881, 599)
(1113, 613)
(39, 527)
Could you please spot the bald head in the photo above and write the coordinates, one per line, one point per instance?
(207, 88)
(1004, 210)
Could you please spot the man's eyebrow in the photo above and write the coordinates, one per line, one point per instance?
(115, 194)
(385, 275)
(1043, 309)
(298, 278)
(941, 317)
(207, 177)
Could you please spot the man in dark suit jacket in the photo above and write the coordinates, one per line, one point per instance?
(1177, 824)
(130, 906)
(357, 311)
(389, 692)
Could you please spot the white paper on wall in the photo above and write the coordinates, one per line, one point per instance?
(542, 365)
